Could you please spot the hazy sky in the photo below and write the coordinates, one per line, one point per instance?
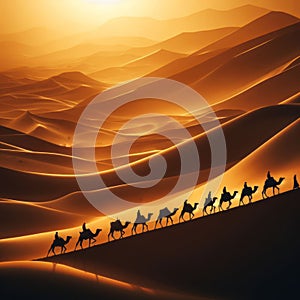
(18, 15)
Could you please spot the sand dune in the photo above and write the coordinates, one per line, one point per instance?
(103, 60)
(7, 81)
(273, 119)
(58, 83)
(66, 281)
(162, 29)
(267, 23)
(33, 73)
(14, 54)
(186, 42)
(28, 142)
(243, 237)
(189, 42)
(137, 67)
(34, 36)
(268, 92)
(240, 66)
(274, 155)
(31, 218)
(241, 71)
(272, 21)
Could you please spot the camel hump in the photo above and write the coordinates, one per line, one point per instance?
(164, 212)
(116, 223)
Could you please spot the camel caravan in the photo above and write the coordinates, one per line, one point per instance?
(165, 213)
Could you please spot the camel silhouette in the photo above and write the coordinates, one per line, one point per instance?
(60, 242)
(117, 226)
(248, 191)
(187, 208)
(209, 202)
(87, 235)
(226, 197)
(141, 220)
(296, 184)
(271, 183)
(165, 213)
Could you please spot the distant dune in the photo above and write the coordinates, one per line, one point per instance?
(162, 29)
(270, 22)
(138, 67)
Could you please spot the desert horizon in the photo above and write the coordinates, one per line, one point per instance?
(116, 109)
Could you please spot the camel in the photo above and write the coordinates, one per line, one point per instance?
(210, 202)
(226, 197)
(87, 235)
(141, 220)
(271, 183)
(165, 213)
(187, 208)
(60, 242)
(117, 226)
(248, 191)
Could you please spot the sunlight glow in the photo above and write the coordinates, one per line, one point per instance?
(105, 1)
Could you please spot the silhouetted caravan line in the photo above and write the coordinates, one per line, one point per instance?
(87, 234)
(271, 183)
(209, 202)
(165, 213)
(187, 208)
(141, 220)
(117, 226)
(59, 242)
(226, 197)
(247, 191)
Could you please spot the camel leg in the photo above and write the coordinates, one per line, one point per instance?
(146, 226)
(182, 217)
(273, 191)
(265, 193)
(229, 205)
(241, 201)
(171, 220)
(49, 251)
(160, 222)
(93, 240)
(77, 244)
(220, 207)
(53, 250)
(277, 189)
(192, 216)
